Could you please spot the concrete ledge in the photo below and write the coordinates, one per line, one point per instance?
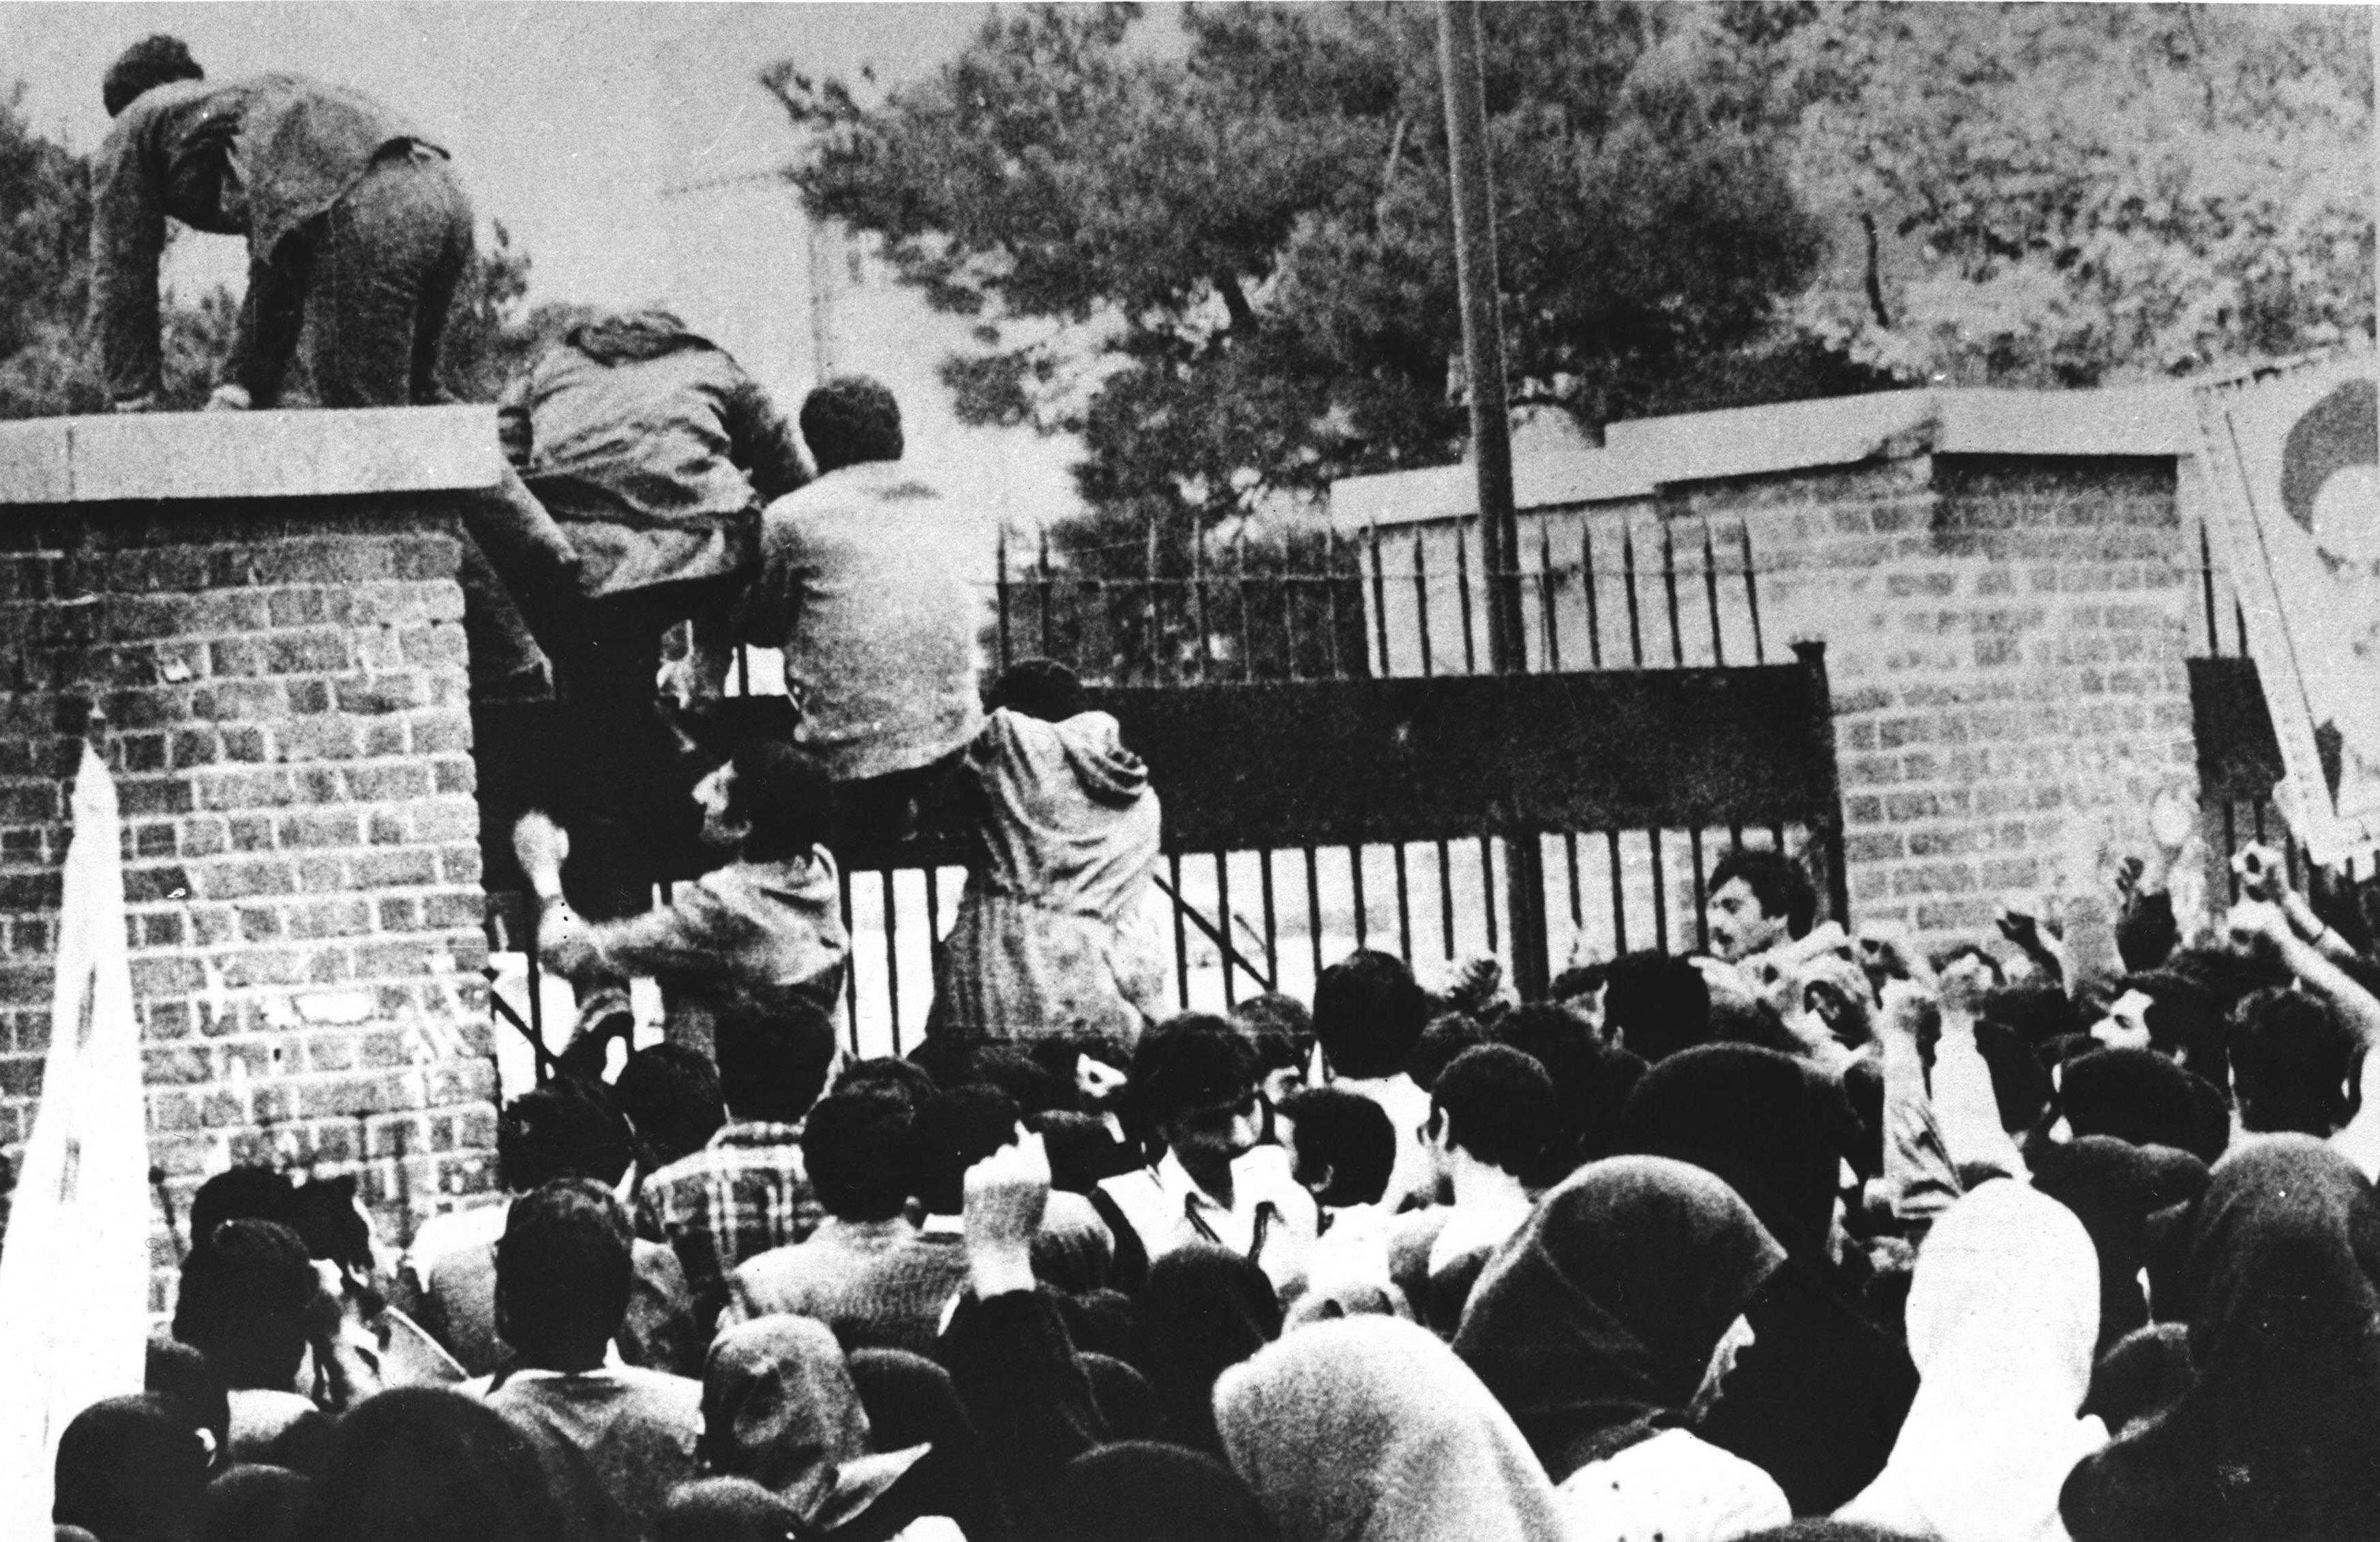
(1643, 455)
(187, 455)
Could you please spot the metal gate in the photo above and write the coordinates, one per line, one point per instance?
(1335, 774)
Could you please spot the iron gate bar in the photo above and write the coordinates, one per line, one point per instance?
(1751, 594)
(1232, 957)
(1587, 583)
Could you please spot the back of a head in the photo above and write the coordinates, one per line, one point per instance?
(1346, 1134)
(1592, 1081)
(669, 1094)
(429, 1464)
(728, 1510)
(1280, 1028)
(2019, 1083)
(775, 1074)
(1657, 1004)
(2037, 1013)
(1776, 880)
(2291, 1063)
(1499, 1106)
(243, 1303)
(157, 60)
(1043, 688)
(566, 1128)
(1153, 1491)
(1448, 1036)
(1033, 1086)
(784, 794)
(854, 1148)
(905, 1080)
(1368, 1014)
(131, 1468)
(2185, 1021)
(2140, 1097)
(849, 421)
(255, 1503)
(563, 1268)
(1188, 1063)
(180, 1375)
(241, 1194)
(953, 1131)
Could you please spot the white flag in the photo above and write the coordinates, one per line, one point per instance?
(74, 1270)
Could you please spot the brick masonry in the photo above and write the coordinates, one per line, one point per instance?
(285, 694)
(2006, 638)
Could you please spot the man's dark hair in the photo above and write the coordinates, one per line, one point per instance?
(323, 1214)
(1776, 880)
(849, 421)
(1041, 688)
(2037, 1013)
(2185, 1023)
(129, 1468)
(670, 1096)
(1592, 1082)
(952, 1132)
(1032, 1085)
(785, 795)
(1499, 1105)
(1185, 1063)
(1280, 1027)
(1957, 951)
(563, 1273)
(906, 1080)
(178, 1375)
(2290, 1061)
(241, 1194)
(1571, 984)
(2021, 1084)
(1449, 1035)
(1349, 1135)
(154, 61)
(1368, 1014)
(566, 1128)
(1657, 1004)
(775, 1073)
(854, 1148)
(243, 1303)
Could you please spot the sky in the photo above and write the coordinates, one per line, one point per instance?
(625, 147)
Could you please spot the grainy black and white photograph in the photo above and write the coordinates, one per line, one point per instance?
(1362, 771)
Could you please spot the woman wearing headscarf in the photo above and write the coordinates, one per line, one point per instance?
(1819, 1396)
(2113, 1188)
(779, 1407)
(1369, 1429)
(910, 1400)
(1204, 1310)
(1152, 1491)
(2140, 1097)
(2280, 1434)
(2003, 1315)
(1602, 1325)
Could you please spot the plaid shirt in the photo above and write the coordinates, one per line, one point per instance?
(739, 1196)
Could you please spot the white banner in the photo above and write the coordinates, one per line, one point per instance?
(2292, 464)
(74, 1272)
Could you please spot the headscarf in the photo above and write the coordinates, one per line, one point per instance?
(1766, 1124)
(2113, 1188)
(2140, 1097)
(728, 1510)
(1151, 1491)
(1595, 1323)
(1204, 1310)
(912, 1402)
(2280, 1435)
(779, 1407)
(254, 1503)
(130, 1469)
(1369, 1429)
(2003, 1316)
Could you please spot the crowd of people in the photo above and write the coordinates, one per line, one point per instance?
(1805, 1235)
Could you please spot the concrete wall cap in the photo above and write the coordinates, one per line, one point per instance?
(1641, 455)
(196, 455)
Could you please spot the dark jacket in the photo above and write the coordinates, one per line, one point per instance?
(651, 447)
(257, 158)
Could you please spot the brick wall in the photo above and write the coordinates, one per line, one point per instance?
(285, 694)
(2006, 636)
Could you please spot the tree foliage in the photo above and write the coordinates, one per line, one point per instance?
(1225, 260)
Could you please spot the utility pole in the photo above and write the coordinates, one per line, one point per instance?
(1491, 431)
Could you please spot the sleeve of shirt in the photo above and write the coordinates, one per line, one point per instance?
(128, 236)
(762, 441)
(1920, 1180)
(265, 337)
(513, 431)
(1014, 1366)
(689, 933)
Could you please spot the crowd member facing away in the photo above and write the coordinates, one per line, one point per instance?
(1053, 935)
(746, 1191)
(1492, 1116)
(753, 945)
(250, 1301)
(858, 588)
(563, 1275)
(1368, 1017)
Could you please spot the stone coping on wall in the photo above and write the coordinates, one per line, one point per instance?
(1641, 456)
(207, 455)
